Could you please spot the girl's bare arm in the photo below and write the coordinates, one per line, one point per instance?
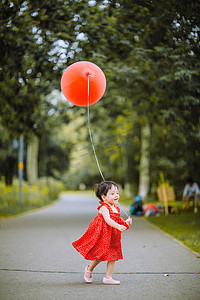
(105, 213)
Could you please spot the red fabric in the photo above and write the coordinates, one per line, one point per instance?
(100, 240)
(150, 206)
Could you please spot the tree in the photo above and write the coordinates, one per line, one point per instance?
(32, 160)
(32, 56)
(148, 53)
(151, 52)
(8, 156)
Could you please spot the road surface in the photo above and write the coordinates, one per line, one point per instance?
(37, 260)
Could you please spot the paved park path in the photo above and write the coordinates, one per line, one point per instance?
(37, 260)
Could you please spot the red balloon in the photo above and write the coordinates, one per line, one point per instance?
(74, 83)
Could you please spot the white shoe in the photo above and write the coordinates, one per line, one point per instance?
(110, 281)
(87, 279)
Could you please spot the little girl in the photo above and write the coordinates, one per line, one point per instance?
(102, 239)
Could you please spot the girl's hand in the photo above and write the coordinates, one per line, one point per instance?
(122, 228)
(129, 221)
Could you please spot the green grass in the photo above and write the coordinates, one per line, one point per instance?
(18, 209)
(185, 227)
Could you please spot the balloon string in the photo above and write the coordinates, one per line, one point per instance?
(88, 114)
(122, 209)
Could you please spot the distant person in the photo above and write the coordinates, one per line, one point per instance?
(136, 207)
(191, 192)
(151, 209)
(102, 239)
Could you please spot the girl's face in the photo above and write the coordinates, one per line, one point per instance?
(112, 196)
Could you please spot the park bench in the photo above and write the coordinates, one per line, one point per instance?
(166, 196)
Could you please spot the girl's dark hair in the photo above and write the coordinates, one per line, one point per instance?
(103, 188)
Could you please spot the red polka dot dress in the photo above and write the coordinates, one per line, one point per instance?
(100, 240)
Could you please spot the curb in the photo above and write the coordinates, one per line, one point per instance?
(30, 211)
(197, 254)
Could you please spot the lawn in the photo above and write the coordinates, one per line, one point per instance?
(184, 227)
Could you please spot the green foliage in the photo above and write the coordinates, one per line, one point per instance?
(39, 195)
(149, 55)
(31, 59)
(149, 52)
(179, 155)
(54, 154)
(8, 156)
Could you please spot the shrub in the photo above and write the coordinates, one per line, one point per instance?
(38, 195)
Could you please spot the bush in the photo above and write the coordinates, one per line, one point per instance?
(36, 196)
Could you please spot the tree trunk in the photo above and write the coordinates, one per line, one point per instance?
(32, 160)
(144, 161)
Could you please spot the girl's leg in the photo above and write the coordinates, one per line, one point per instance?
(108, 279)
(110, 268)
(91, 267)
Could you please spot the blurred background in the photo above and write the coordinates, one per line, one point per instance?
(147, 122)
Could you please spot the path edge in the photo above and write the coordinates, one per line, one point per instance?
(197, 254)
